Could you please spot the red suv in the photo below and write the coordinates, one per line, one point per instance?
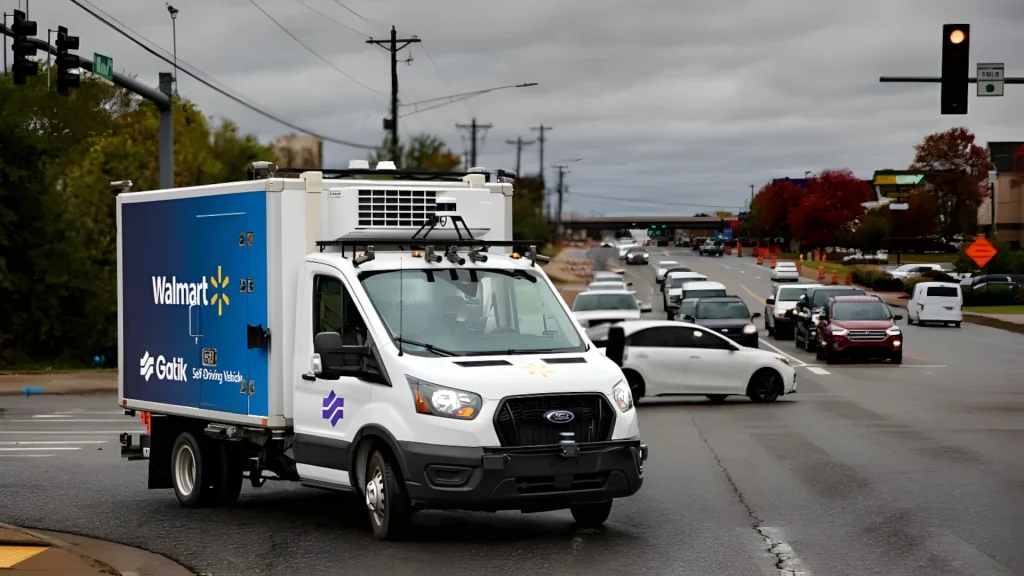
(859, 326)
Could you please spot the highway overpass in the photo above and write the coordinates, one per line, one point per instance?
(644, 222)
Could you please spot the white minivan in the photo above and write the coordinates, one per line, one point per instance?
(936, 302)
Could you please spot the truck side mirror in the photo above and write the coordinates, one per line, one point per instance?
(615, 347)
(336, 359)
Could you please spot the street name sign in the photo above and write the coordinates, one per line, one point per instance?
(981, 251)
(103, 66)
(991, 78)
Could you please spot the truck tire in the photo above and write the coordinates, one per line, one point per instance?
(195, 473)
(231, 474)
(591, 515)
(386, 501)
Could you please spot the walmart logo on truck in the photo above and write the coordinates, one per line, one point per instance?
(170, 292)
(164, 369)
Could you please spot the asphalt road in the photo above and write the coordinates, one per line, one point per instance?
(869, 469)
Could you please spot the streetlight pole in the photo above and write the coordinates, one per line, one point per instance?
(751, 195)
(174, 39)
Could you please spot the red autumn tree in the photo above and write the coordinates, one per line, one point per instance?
(829, 208)
(957, 177)
(769, 212)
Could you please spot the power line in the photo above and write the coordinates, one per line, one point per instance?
(311, 51)
(644, 201)
(339, 23)
(209, 84)
(363, 18)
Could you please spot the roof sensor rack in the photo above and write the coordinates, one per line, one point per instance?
(392, 174)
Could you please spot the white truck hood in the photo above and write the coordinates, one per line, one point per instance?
(519, 374)
(584, 318)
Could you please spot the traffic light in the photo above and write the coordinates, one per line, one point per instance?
(23, 30)
(956, 43)
(66, 62)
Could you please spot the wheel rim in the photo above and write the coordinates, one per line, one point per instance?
(185, 470)
(766, 391)
(375, 497)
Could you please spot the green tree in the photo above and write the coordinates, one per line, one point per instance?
(528, 221)
(58, 237)
(421, 152)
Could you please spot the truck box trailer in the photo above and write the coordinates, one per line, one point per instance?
(375, 331)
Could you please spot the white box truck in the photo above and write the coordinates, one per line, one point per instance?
(374, 331)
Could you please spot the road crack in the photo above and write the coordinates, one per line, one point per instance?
(786, 559)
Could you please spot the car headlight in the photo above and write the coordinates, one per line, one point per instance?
(750, 329)
(444, 402)
(815, 318)
(783, 359)
(893, 331)
(838, 331)
(623, 396)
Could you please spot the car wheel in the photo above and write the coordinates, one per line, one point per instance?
(831, 358)
(897, 358)
(765, 386)
(809, 343)
(956, 324)
(636, 385)
(820, 353)
(910, 321)
(386, 501)
(591, 515)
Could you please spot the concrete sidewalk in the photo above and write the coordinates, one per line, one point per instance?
(41, 552)
(86, 382)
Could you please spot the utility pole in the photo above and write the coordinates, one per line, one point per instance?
(560, 190)
(473, 127)
(519, 143)
(542, 128)
(392, 45)
(751, 195)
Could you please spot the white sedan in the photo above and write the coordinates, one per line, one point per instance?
(667, 358)
(665, 266)
(785, 271)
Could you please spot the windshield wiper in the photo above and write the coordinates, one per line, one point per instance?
(428, 347)
(511, 351)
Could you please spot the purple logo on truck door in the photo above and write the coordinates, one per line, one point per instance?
(334, 408)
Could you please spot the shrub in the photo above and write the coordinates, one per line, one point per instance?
(884, 282)
(939, 276)
(908, 286)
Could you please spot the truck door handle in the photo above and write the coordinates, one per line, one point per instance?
(309, 376)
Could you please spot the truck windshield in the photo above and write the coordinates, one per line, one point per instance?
(791, 294)
(722, 310)
(821, 297)
(588, 302)
(472, 312)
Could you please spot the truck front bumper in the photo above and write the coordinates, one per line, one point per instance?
(531, 479)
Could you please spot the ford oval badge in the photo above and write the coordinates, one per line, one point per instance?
(559, 416)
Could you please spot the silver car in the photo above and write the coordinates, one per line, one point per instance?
(782, 300)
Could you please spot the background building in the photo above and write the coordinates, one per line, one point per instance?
(1008, 158)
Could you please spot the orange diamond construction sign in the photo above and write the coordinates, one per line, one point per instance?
(981, 251)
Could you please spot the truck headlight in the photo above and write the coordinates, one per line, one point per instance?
(623, 396)
(442, 401)
(750, 329)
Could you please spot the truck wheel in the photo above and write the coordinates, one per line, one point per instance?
(195, 483)
(386, 500)
(591, 515)
(897, 358)
(230, 474)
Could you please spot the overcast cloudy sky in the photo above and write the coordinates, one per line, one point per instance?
(673, 105)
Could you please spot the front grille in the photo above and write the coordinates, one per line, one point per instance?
(395, 207)
(543, 484)
(520, 420)
(866, 335)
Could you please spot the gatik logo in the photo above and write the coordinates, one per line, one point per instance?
(164, 369)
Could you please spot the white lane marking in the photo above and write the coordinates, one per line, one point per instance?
(923, 366)
(21, 442)
(71, 432)
(789, 563)
(25, 455)
(777, 349)
(49, 448)
(727, 266)
(742, 272)
(51, 416)
(819, 371)
(72, 421)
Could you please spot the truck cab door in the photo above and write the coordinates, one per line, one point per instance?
(222, 355)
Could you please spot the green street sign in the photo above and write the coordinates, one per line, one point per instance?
(103, 66)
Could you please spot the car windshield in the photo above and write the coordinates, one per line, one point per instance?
(791, 294)
(678, 281)
(588, 302)
(607, 286)
(476, 311)
(636, 251)
(722, 310)
(860, 311)
(687, 307)
(821, 297)
(711, 293)
(668, 264)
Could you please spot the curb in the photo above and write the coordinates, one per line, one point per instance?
(107, 557)
(32, 538)
(39, 390)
